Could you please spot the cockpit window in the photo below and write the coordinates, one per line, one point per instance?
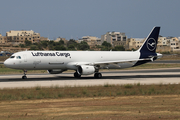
(12, 56)
(18, 57)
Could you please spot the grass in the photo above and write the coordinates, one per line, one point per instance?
(128, 86)
(107, 90)
(130, 101)
(155, 66)
(170, 57)
(5, 70)
(150, 107)
(3, 58)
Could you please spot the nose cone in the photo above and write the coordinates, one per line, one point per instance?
(8, 63)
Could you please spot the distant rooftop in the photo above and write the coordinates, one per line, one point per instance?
(139, 39)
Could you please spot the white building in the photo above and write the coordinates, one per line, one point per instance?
(21, 33)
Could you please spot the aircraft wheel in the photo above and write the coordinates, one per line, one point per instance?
(98, 75)
(76, 75)
(24, 77)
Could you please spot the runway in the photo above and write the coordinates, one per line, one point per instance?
(118, 77)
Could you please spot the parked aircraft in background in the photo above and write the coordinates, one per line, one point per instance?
(85, 62)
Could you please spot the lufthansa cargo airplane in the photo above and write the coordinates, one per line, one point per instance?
(85, 62)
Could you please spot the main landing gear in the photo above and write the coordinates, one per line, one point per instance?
(77, 75)
(96, 75)
(24, 76)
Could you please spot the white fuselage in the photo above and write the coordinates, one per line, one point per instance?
(45, 60)
(85, 62)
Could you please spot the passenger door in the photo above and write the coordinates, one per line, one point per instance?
(25, 58)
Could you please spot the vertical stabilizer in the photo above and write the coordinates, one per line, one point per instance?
(148, 49)
(149, 46)
(151, 41)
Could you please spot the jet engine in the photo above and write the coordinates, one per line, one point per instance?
(55, 71)
(85, 70)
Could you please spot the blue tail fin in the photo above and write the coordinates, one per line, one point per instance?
(148, 49)
(149, 46)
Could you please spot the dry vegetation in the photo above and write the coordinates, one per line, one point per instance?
(96, 102)
(163, 107)
(170, 57)
(56, 92)
(3, 58)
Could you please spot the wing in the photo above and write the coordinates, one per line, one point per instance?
(74, 65)
(119, 61)
(107, 62)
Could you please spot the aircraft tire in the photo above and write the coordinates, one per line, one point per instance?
(76, 75)
(24, 77)
(98, 75)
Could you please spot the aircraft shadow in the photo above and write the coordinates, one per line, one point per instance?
(64, 78)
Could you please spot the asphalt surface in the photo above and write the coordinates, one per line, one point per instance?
(156, 76)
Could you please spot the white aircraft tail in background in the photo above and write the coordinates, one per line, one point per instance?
(85, 62)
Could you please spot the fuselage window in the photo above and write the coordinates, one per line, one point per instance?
(12, 56)
(18, 57)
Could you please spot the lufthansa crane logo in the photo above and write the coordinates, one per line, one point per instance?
(151, 44)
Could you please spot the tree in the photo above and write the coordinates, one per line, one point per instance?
(83, 46)
(71, 47)
(61, 42)
(50, 47)
(60, 47)
(72, 42)
(106, 44)
(51, 42)
(33, 47)
(118, 48)
(44, 43)
(133, 49)
(28, 43)
(22, 45)
(105, 49)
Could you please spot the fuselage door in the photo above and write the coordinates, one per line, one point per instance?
(25, 58)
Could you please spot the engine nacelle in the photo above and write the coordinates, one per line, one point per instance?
(85, 70)
(55, 71)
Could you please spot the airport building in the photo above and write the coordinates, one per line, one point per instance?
(114, 38)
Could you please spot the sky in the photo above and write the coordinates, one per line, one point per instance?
(73, 19)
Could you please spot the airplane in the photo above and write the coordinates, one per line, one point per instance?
(85, 62)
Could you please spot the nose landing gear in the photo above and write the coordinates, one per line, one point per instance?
(24, 76)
